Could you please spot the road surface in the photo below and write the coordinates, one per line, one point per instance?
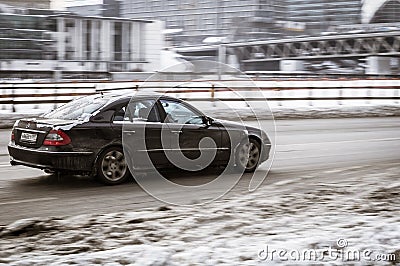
(303, 147)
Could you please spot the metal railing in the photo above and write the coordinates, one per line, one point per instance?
(36, 94)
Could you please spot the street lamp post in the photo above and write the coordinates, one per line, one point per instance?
(221, 58)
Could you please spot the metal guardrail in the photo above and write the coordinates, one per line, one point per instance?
(13, 98)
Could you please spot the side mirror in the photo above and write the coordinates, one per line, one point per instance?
(208, 121)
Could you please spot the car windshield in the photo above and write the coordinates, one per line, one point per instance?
(78, 109)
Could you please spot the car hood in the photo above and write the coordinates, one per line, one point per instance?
(235, 125)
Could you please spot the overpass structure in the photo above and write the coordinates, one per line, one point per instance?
(378, 48)
(378, 11)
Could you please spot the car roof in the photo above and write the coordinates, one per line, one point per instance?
(128, 94)
(121, 96)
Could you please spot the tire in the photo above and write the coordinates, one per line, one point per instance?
(248, 155)
(112, 168)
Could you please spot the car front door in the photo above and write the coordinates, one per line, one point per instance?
(194, 142)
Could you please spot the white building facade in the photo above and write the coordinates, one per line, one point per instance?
(108, 44)
(69, 44)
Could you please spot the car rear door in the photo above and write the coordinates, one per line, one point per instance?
(141, 127)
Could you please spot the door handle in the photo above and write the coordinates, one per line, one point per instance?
(176, 131)
(130, 132)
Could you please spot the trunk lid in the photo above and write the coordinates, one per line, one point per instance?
(32, 132)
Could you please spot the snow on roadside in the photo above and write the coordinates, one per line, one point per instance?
(307, 112)
(312, 213)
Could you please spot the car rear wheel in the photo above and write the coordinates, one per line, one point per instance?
(248, 155)
(112, 168)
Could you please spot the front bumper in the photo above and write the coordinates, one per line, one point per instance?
(52, 160)
(265, 151)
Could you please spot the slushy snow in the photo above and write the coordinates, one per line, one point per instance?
(359, 205)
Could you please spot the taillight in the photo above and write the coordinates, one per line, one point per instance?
(12, 135)
(56, 138)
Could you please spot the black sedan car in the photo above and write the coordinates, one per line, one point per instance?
(85, 136)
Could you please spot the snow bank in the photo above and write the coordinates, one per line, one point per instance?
(311, 212)
(310, 112)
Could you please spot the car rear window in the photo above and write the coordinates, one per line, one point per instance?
(78, 109)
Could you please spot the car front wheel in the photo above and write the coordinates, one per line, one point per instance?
(111, 167)
(248, 155)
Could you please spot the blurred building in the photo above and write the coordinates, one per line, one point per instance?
(104, 8)
(42, 4)
(195, 20)
(42, 42)
(25, 36)
(322, 15)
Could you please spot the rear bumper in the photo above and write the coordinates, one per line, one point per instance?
(52, 160)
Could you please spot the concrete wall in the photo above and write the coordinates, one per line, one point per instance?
(153, 44)
(51, 65)
(291, 65)
(378, 65)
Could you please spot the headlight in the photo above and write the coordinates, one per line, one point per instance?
(265, 137)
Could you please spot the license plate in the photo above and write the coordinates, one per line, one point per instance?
(28, 137)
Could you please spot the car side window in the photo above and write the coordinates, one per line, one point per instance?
(120, 114)
(178, 113)
(141, 110)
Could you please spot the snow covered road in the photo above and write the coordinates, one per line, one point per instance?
(359, 205)
(334, 181)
